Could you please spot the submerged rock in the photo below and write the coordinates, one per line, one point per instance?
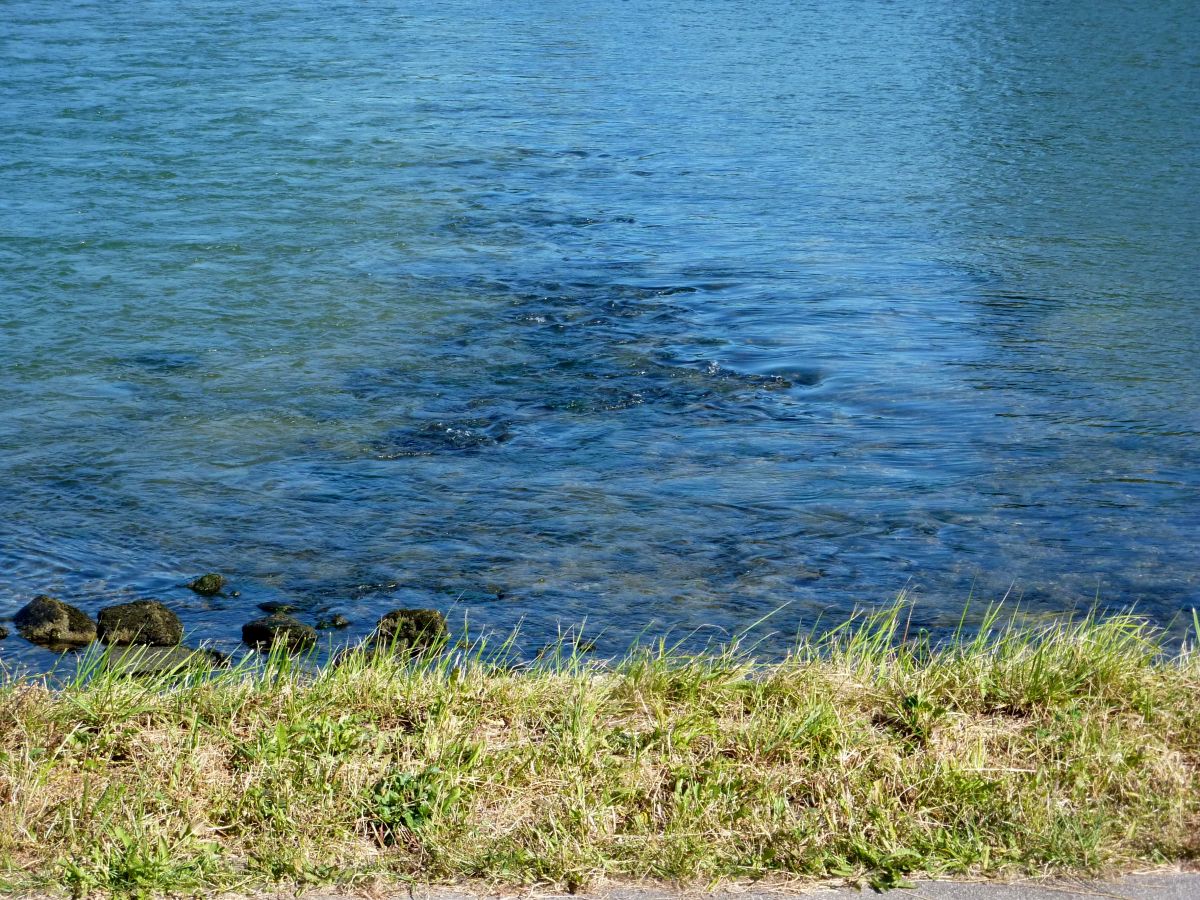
(3, 632)
(208, 585)
(143, 660)
(465, 436)
(262, 634)
(47, 621)
(335, 621)
(277, 606)
(410, 629)
(140, 622)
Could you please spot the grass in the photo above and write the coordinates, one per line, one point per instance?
(865, 755)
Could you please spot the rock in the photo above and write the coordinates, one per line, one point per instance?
(336, 621)
(279, 629)
(410, 629)
(3, 632)
(208, 585)
(140, 622)
(277, 606)
(45, 620)
(140, 659)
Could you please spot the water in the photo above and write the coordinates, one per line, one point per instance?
(659, 314)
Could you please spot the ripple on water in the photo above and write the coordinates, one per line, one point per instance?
(522, 318)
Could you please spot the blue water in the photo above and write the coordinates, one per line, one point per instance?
(658, 314)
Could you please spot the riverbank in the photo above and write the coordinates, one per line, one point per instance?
(867, 755)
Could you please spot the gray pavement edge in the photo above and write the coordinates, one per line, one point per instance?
(1161, 884)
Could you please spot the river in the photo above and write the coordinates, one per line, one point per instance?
(660, 315)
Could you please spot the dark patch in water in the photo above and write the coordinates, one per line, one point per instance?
(603, 399)
(723, 380)
(164, 362)
(802, 377)
(434, 438)
(548, 219)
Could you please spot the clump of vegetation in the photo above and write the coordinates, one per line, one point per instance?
(866, 756)
(208, 585)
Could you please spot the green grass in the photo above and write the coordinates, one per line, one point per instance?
(866, 755)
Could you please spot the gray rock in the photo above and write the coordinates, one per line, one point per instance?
(140, 622)
(208, 585)
(279, 629)
(51, 622)
(408, 630)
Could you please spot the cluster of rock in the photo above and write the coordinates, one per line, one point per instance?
(147, 634)
(53, 623)
(401, 630)
(149, 624)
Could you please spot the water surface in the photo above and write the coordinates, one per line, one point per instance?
(662, 314)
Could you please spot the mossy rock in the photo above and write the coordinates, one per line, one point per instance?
(277, 606)
(278, 629)
(51, 622)
(140, 622)
(334, 621)
(208, 585)
(3, 632)
(410, 630)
